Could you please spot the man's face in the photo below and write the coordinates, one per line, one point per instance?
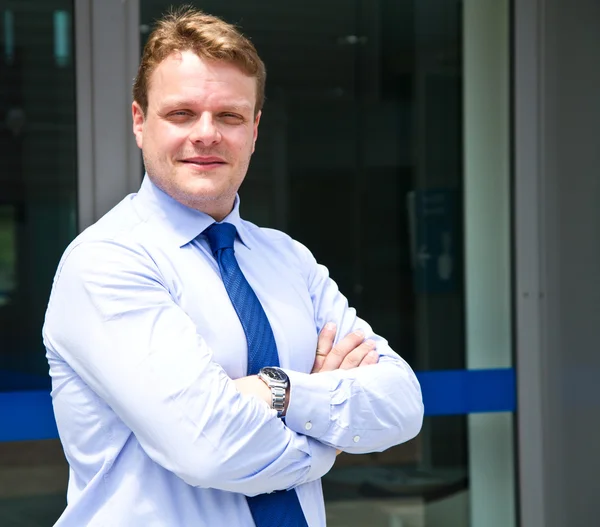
(199, 131)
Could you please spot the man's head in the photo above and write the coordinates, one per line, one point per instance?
(198, 97)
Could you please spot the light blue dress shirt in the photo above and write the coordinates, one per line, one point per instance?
(143, 343)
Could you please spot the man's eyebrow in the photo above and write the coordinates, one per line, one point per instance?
(188, 103)
(239, 107)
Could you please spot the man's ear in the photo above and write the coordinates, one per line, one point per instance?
(138, 123)
(256, 122)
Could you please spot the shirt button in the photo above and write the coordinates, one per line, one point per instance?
(308, 425)
(356, 439)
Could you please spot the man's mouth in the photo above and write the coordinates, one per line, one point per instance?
(205, 161)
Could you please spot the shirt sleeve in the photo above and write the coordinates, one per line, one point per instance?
(361, 410)
(113, 320)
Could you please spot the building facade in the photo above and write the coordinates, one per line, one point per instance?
(440, 157)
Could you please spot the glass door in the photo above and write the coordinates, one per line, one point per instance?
(38, 215)
(370, 152)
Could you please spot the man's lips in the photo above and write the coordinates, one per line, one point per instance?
(204, 161)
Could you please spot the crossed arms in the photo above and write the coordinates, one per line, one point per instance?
(122, 333)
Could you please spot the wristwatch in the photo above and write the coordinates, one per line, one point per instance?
(278, 381)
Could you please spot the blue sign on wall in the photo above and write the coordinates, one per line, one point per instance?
(435, 228)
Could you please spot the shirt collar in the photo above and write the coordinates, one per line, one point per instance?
(156, 207)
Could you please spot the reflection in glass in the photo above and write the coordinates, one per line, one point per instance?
(38, 197)
(38, 190)
(9, 36)
(62, 34)
(8, 257)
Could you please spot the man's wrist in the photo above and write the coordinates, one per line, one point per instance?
(265, 392)
(254, 387)
(277, 382)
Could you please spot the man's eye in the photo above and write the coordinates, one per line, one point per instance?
(179, 114)
(232, 117)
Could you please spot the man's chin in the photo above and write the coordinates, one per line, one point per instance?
(204, 196)
(206, 190)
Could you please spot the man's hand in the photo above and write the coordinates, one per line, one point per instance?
(252, 385)
(353, 351)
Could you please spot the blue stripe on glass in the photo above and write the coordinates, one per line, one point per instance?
(27, 415)
(468, 391)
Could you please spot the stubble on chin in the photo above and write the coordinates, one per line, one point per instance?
(206, 202)
(199, 199)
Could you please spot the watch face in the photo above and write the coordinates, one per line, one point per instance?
(275, 374)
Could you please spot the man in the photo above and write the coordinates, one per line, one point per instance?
(181, 339)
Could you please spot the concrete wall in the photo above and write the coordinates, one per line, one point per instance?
(558, 167)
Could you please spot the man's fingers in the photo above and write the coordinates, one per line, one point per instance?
(371, 358)
(324, 345)
(336, 356)
(355, 358)
(350, 352)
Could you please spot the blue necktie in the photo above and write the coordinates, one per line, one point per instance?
(278, 509)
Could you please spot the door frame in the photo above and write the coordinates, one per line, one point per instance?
(532, 200)
(109, 162)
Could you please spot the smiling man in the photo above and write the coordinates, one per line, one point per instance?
(199, 377)
(197, 128)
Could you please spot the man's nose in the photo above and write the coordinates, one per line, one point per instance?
(205, 131)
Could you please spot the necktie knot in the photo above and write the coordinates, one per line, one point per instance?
(220, 236)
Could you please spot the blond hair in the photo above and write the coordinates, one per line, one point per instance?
(209, 37)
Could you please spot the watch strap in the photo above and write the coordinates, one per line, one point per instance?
(278, 392)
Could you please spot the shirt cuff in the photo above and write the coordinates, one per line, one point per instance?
(309, 409)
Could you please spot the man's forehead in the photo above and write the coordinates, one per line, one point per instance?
(192, 63)
(178, 82)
